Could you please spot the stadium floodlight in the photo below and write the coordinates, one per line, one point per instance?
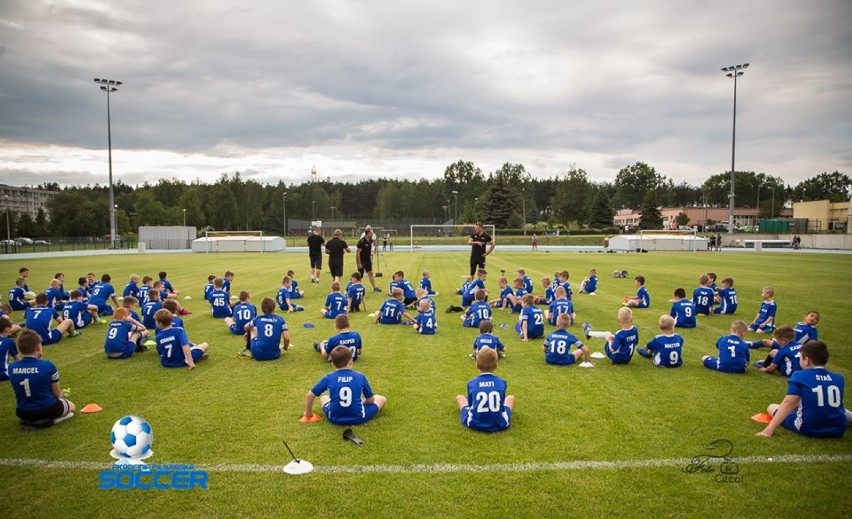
(109, 86)
(733, 71)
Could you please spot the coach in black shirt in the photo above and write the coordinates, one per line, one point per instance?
(315, 241)
(478, 242)
(336, 248)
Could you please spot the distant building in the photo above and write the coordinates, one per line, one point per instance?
(25, 200)
(697, 216)
(824, 215)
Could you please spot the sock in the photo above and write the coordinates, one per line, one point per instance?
(848, 416)
(598, 335)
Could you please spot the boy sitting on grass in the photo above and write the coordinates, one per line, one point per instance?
(479, 311)
(350, 400)
(560, 305)
(79, 312)
(727, 298)
(344, 337)
(355, 293)
(764, 322)
(283, 297)
(220, 301)
(557, 346)
(683, 310)
(486, 407)
(487, 340)
(620, 345)
(530, 323)
(36, 385)
(814, 402)
(642, 299)
(507, 297)
(733, 351)
(39, 317)
(268, 334)
(335, 302)
(426, 322)
(124, 335)
(590, 283)
(173, 344)
(784, 355)
(392, 310)
(243, 313)
(666, 348)
(8, 349)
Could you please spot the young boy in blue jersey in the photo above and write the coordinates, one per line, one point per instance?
(806, 330)
(564, 283)
(477, 312)
(528, 284)
(243, 313)
(765, 320)
(506, 299)
(557, 346)
(517, 295)
(335, 302)
(208, 287)
(423, 295)
(295, 291)
(39, 317)
(465, 285)
(227, 279)
(220, 301)
(344, 337)
(167, 285)
(426, 322)
(8, 348)
(814, 402)
(621, 344)
(151, 307)
(703, 297)
(560, 305)
(784, 355)
(350, 399)
(123, 336)
(468, 296)
(392, 310)
(712, 285)
(666, 349)
(283, 297)
(548, 296)
(172, 306)
(131, 303)
(102, 294)
(173, 345)
(426, 283)
(530, 323)
(145, 289)
(79, 312)
(590, 283)
(487, 339)
(642, 299)
(727, 298)
(486, 407)
(17, 296)
(131, 289)
(683, 310)
(55, 298)
(408, 292)
(355, 293)
(36, 385)
(268, 334)
(733, 351)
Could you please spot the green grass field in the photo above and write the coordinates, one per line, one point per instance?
(646, 423)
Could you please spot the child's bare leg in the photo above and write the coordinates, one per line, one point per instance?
(461, 401)
(380, 400)
(509, 401)
(203, 346)
(324, 399)
(772, 408)
(66, 327)
(229, 321)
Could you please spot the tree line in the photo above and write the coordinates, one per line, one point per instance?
(507, 198)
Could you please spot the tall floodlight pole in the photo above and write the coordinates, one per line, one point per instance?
(733, 71)
(109, 86)
(456, 212)
(284, 211)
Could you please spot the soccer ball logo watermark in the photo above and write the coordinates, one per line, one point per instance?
(131, 439)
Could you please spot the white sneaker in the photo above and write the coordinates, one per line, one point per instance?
(63, 418)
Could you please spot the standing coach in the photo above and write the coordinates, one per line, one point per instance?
(478, 242)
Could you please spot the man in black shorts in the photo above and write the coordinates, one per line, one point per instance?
(364, 256)
(478, 242)
(315, 241)
(336, 248)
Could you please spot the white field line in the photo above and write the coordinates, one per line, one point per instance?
(441, 468)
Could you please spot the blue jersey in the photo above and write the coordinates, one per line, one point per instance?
(684, 312)
(534, 318)
(131, 289)
(470, 294)
(118, 335)
(355, 293)
(33, 379)
(767, 311)
(244, 313)
(528, 284)
(644, 297)
(167, 286)
(101, 294)
(804, 333)
(283, 299)
(727, 301)
(519, 293)
(208, 289)
(148, 310)
(78, 313)
(427, 323)
(427, 298)
(787, 359)
(351, 340)
(226, 286)
(170, 343)
(391, 312)
(558, 348)
(143, 294)
(702, 298)
(487, 340)
(38, 319)
(591, 285)
(8, 350)
(560, 306)
(335, 305)
(347, 390)
(486, 411)
(549, 296)
(408, 292)
(220, 304)
(667, 350)
(54, 297)
(267, 344)
(733, 354)
(821, 412)
(426, 284)
(477, 312)
(504, 293)
(624, 343)
(463, 288)
(16, 299)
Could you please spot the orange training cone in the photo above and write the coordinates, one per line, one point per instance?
(92, 408)
(762, 418)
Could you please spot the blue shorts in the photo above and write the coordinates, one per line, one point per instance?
(756, 326)
(370, 412)
(502, 426)
(713, 363)
(262, 354)
(196, 353)
(125, 353)
(236, 330)
(616, 358)
(104, 309)
(565, 360)
(52, 337)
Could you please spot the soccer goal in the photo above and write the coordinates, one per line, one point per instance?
(671, 240)
(237, 241)
(426, 235)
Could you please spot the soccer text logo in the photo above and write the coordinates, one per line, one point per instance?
(717, 461)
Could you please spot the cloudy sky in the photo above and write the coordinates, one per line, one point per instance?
(384, 88)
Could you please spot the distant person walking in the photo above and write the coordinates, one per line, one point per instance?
(336, 248)
(478, 242)
(606, 243)
(534, 242)
(315, 242)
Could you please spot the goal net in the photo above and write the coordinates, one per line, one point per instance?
(237, 241)
(671, 240)
(427, 235)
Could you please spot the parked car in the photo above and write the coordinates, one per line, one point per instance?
(24, 241)
(717, 227)
(746, 228)
(41, 242)
(8, 243)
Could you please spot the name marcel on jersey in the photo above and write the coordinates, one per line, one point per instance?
(24, 371)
